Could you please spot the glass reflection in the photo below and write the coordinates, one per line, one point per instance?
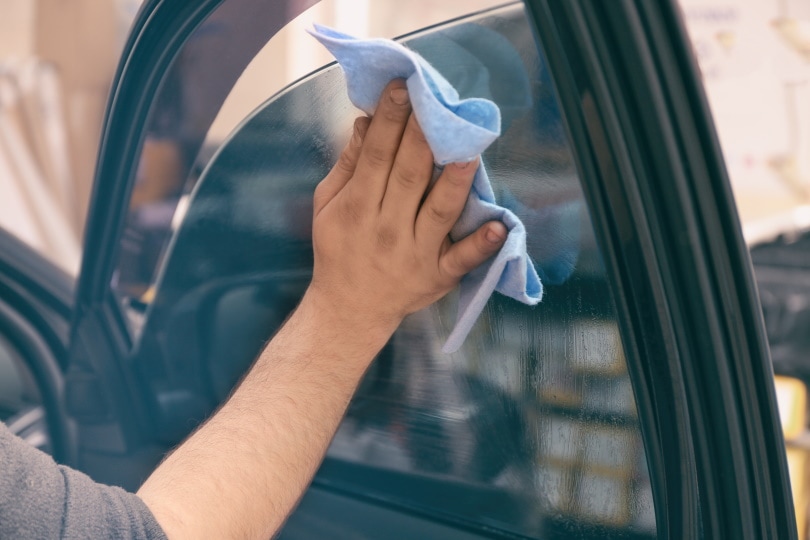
(187, 103)
(531, 427)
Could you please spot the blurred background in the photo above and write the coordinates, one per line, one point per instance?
(57, 60)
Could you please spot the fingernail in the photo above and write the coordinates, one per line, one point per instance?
(495, 234)
(399, 96)
(465, 164)
(359, 131)
(357, 139)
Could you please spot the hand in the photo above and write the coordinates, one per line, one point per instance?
(381, 242)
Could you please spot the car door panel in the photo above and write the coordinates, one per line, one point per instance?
(671, 205)
(528, 418)
(35, 307)
(426, 431)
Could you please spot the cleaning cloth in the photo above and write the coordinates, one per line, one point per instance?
(456, 130)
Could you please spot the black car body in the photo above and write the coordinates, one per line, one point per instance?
(637, 401)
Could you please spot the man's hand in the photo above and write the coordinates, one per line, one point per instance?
(380, 234)
(381, 252)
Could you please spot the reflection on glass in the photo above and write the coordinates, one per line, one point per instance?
(227, 67)
(531, 427)
(191, 94)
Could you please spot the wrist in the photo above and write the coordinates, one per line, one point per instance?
(344, 330)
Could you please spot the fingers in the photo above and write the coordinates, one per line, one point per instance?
(343, 170)
(444, 203)
(381, 142)
(410, 175)
(466, 255)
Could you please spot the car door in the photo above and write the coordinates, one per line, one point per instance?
(636, 401)
(35, 310)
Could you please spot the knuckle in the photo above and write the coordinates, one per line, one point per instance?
(481, 245)
(358, 133)
(395, 113)
(457, 179)
(320, 192)
(346, 163)
(414, 131)
(361, 125)
(377, 156)
(406, 176)
(452, 265)
(319, 189)
(440, 216)
(387, 237)
(351, 210)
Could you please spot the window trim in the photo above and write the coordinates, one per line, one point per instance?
(658, 190)
(159, 32)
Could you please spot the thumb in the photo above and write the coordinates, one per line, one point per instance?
(469, 253)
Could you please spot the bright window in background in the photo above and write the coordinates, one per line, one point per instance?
(755, 59)
(57, 60)
(292, 53)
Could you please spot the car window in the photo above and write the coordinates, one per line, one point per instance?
(207, 91)
(531, 427)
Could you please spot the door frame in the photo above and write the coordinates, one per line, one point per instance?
(36, 302)
(664, 211)
(657, 189)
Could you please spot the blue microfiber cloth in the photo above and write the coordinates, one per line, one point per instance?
(456, 130)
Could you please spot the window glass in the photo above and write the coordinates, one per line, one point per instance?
(227, 68)
(191, 93)
(531, 428)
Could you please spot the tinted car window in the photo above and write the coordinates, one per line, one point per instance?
(530, 428)
(244, 52)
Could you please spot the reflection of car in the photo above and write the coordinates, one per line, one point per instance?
(636, 399)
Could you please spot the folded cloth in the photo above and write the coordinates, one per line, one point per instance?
(456, 130)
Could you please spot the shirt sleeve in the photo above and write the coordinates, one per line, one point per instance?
(40, 499)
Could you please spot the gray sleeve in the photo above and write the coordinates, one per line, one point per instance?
(40, 499)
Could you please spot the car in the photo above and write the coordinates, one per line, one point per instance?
(636, 401)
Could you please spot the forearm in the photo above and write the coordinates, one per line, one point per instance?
(241, 474)
(381, 251)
